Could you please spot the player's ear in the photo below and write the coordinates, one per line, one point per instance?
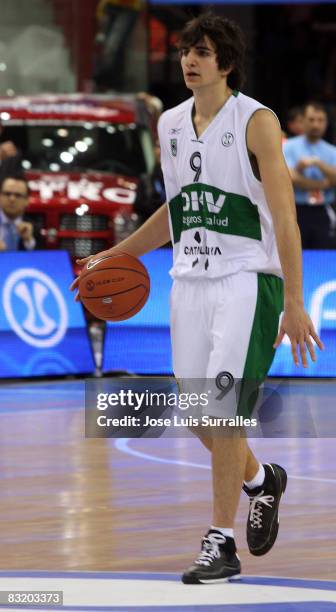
(226, 71)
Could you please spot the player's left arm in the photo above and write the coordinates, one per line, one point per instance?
(264, 141)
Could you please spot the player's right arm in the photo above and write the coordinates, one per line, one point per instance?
(153, 234)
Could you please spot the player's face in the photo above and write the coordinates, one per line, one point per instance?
(315, 123)
(199, 65)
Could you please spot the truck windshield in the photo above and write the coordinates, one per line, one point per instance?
(122, 149)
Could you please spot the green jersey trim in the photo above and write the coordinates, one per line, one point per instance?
(201, 205)
(264, 331)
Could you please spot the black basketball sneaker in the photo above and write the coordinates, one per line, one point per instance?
(263, 519)
(217, 562)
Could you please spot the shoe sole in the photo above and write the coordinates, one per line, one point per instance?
(210, 581)
(259, 552)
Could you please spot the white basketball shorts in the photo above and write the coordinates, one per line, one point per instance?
(225, 325)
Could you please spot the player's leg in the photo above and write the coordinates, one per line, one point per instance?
(231, 327)
(229, 457)
(218, 560)
(266, 487)
(244, 347)
(225, 357)
(236, 299)
(191, 347)
(252, 464)
(264, 484)
(230, 318)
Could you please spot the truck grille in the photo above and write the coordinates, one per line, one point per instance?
(82, 247)
(86, 223)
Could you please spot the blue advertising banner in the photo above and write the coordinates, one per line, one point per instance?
(320, 300)
(42, 329)
(142, 344)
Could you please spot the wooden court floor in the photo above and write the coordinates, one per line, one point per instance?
(70, 503)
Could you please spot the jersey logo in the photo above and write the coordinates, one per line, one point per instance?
(175, 130)
(196, 165)
(201, 205)
(195, 199)
(173, 146)
(227, 139)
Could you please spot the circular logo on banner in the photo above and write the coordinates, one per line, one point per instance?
(227, 139)
(35, 308)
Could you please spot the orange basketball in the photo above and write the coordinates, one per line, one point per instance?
(114, 287)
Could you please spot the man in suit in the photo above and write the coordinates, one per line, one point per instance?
(15, 233)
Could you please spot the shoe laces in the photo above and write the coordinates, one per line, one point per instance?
(257, 503)
(210, 549)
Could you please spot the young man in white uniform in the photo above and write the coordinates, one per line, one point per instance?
(231, 217)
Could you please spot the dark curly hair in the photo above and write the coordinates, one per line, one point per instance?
(226, 36)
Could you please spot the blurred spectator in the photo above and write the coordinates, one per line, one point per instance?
(154, 107)
(312, 165)
(294, 124)
(15, 232)
(151, 194)
(116, 20)
(157, 179)
(153, 104)
(150, 188)
(10, 159)
(152, 198)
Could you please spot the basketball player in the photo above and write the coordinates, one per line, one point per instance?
(230, 215)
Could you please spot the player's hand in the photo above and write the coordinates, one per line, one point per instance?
(82, 262)
(75, 283)
(3, 246)
(297, 324)
(25, 230)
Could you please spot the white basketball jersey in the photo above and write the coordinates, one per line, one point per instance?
(219, 219)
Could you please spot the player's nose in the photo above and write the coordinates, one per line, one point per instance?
(190, 58)
(190, 66)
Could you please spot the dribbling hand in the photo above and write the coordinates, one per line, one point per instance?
(82, 262)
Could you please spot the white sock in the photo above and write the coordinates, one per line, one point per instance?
(258, 480)
(225, 531)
